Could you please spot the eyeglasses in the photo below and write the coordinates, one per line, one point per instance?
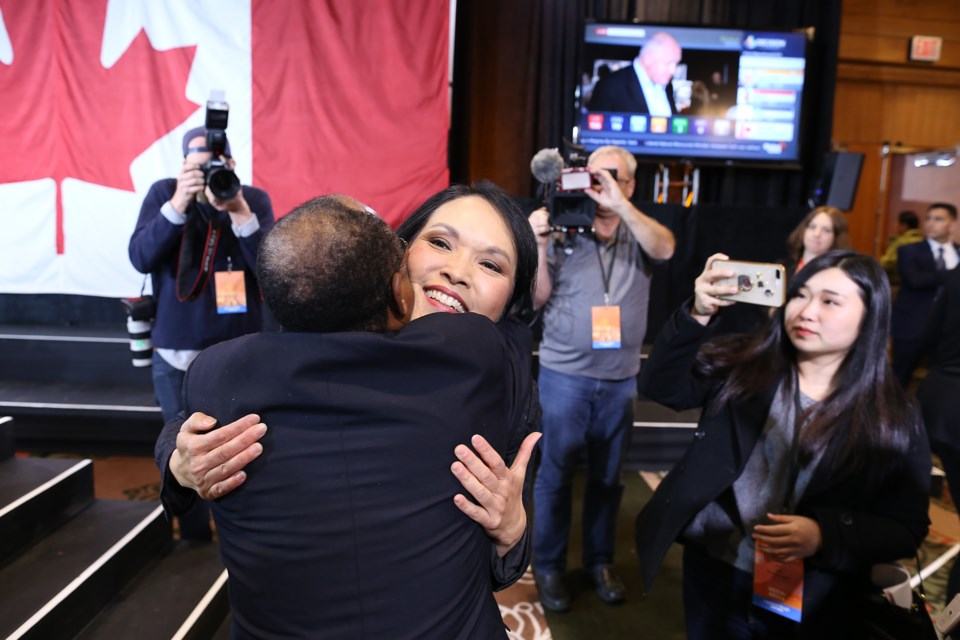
(622, 181)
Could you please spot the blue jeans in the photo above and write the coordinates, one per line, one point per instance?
(167, 385)
(580, 415)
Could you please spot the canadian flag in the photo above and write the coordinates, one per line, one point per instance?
(334, 96)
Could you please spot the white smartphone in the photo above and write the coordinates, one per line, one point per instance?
(757, 282)
(946, 622)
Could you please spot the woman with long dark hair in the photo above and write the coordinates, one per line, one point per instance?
(808, 457)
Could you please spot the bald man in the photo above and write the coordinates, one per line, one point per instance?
(645, 86)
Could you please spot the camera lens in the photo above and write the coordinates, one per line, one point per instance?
(141, 345)
(224, 183)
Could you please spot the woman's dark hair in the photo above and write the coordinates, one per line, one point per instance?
(867, 416)
(841, 234)
(524, 242)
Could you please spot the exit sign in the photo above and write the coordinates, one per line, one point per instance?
(925, 48)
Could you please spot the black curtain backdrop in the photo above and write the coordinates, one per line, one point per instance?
(526, 53)
(516, 72)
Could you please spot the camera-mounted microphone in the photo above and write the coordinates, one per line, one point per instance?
(562, 188)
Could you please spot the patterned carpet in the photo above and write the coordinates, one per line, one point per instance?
(137, 479)
(943, 538)
(522, 612)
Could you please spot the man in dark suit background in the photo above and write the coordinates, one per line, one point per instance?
(939, 390)
(922, 268)
(347, 527)
(645, 86)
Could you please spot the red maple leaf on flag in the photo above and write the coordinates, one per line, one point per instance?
(65, 115)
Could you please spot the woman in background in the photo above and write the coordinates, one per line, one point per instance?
(822, 229)
(807, 450)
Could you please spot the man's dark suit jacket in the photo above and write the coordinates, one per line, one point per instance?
(919, 282)
(346, 526)
(621, 91)
(939, 391)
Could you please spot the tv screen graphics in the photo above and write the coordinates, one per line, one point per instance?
(724, 95)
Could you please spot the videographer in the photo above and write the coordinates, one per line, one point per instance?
(196, 245)
(594, 289)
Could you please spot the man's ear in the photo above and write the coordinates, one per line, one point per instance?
(402, 298)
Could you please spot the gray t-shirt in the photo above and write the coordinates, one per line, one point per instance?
(577, 277)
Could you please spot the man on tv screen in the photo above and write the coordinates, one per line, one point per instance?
(645, 86)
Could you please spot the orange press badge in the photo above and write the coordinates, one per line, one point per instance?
(778, 586)
(231, 292)
(606, 327)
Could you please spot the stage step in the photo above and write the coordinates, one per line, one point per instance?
(6, 437)
(75, 389)
(181, 595)
(659, 436)
(223, 631)
(37, 495)
(57, 586)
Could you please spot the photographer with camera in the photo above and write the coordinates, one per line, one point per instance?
(594, 290)
(197, 236)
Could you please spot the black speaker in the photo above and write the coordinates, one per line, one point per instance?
(838, 182)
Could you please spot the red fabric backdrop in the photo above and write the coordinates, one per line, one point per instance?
(326, 97)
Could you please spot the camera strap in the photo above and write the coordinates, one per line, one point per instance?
(198, 248)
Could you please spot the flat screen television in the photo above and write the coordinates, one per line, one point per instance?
(726, 96)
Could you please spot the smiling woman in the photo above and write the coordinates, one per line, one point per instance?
(472, 249)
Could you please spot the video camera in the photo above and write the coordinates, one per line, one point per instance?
(563, 185)
(217, 174)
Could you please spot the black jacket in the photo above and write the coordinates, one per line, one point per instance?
(346, 527)
(919, 283)
(621, 91)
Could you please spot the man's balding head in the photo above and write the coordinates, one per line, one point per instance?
(659, 57)
(328, 265)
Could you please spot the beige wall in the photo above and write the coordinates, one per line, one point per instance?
(881, 96)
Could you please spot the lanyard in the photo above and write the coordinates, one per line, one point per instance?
(606, 275)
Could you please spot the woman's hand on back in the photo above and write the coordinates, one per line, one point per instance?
(497, 488)
(706, 291)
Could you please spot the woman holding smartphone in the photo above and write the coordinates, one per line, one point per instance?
(808, 461)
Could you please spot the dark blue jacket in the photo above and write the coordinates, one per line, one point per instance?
(919, 282)
(154, 249)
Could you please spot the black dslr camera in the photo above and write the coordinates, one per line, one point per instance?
(217, 174)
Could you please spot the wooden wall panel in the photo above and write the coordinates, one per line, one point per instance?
(923, 116)
(858, 112)
(882, 97)
(863, 218)
(932, 10)
(880, 30)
